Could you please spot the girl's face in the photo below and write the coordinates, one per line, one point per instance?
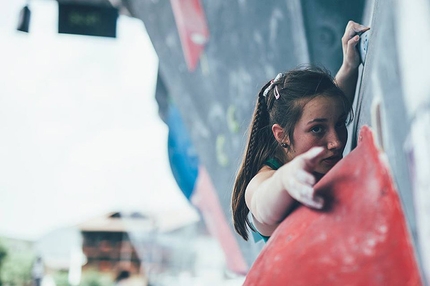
(322, 124)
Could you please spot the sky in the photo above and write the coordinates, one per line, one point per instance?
(79, 125)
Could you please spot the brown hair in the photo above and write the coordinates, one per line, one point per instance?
(295, 89)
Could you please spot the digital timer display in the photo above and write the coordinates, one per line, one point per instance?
(85, 19)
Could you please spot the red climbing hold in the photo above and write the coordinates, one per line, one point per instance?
(360, 238)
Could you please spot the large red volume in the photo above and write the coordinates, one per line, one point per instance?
(192, 27)
(360, 238)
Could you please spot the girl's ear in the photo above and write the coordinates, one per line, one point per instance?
(280, 134)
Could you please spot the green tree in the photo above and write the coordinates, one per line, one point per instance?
(16, 268)
(3, 255)
(95, 278)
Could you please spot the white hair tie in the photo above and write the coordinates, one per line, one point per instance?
(273, 83)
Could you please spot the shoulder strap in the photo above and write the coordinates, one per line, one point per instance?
(273, 163)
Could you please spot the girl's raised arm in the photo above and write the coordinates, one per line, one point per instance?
(347, 76)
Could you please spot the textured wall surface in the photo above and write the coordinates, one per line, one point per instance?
(251, 41)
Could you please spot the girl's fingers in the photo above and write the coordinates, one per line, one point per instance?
(351, 56)
(305, 177)
(353, 41)
(312, 155)
(362, 30)
(315, 202)
(299, 179)
(356, 26)
(352, 29)
(305, 194)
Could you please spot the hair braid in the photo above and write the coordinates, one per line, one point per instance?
(256, 127)
(249, 168)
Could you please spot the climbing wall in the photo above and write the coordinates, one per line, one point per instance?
(394, 98)
(214, 57)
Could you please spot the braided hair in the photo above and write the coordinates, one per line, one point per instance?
(279, 101)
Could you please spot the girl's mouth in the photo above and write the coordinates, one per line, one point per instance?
(332, 160)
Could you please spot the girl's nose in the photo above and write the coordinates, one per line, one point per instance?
(334, 142)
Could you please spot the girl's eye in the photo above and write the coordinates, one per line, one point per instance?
(341, 123)
(317, 129)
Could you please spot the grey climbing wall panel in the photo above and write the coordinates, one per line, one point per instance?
(249, 43)
(382, 103)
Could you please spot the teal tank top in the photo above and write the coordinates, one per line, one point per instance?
(273, 163)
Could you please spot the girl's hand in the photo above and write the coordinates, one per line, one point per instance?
(298, 179)
(351, 58)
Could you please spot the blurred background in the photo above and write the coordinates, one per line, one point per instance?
(123, 123)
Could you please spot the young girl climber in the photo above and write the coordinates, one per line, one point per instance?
(297, 134)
